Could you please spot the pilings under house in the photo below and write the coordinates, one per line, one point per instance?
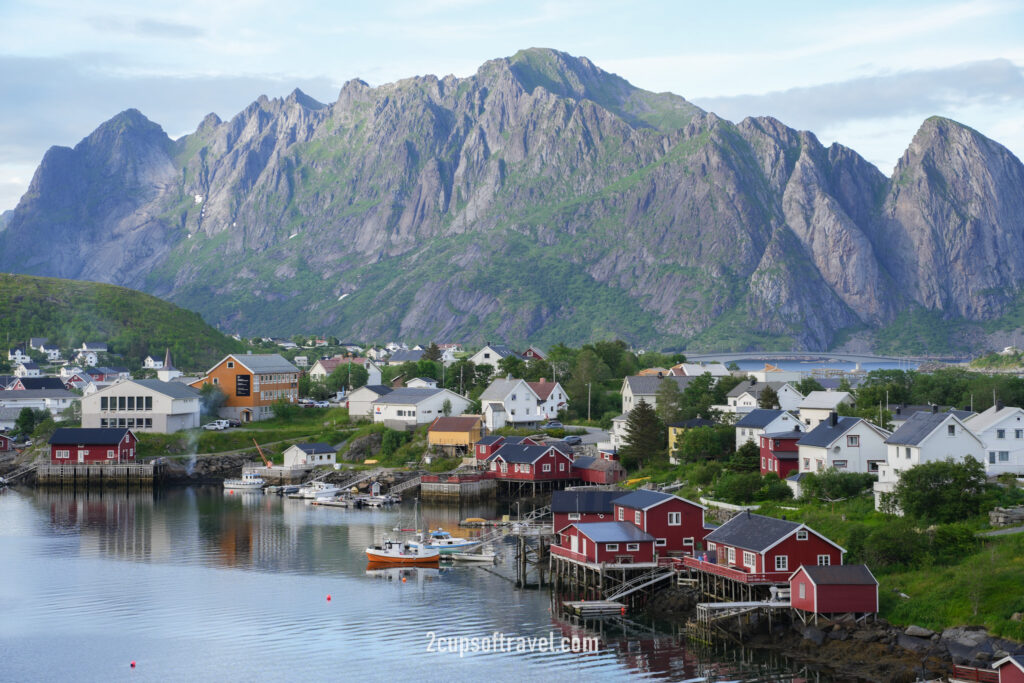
(82, 474)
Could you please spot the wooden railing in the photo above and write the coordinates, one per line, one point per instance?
(736, 574)
(970, 673)
(568, 554)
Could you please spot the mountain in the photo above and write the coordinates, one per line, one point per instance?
(133, 324)
(540, 199)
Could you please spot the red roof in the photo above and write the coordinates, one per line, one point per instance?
(542, 389)
(454, 424)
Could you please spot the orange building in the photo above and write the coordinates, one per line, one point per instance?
(253, 383)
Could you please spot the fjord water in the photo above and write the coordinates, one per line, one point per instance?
(199, 584)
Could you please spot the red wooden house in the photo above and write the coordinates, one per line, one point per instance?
(591, 470)
(1011, 669)
(677, 524)
(5, 443)
(92, 446)
(605, 542)
(757, 549)
(834, 589)
(533, 353)
(530, 463)
(570, 506)
(779, 453)
(487, 445)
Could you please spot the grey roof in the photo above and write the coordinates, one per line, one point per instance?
(902, 411)
(37, 341)
(920, 425)
(314, 448)
(36, 394)
(794, 434)
(428, 380)
(93, 437)
(502, 350)
(488, 440)
(516, 439)
(94, 346)
(754, 388)
(840, 574)
(405, 356)
(825, 400)
(516, 453)
(612, 532)
(583, 501)
(647, 385)
(752, 532)
(695, 422)
(644, 499)
(760, 418)
(499, 388)
(408, 396)
(264, 362)
(379, 389)
(172, 389)
(825, 433)
(29, 365)
(9, 413)
(797, 476)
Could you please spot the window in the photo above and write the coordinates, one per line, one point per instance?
(111, 454)
(688, 541)
(824, 560)
(636, 517)
(1018, 433)
(712, 546)
(732, 555)
(1004, 456)
(547, 467)
(991, 457)
(749, 560)
(1000, 433)
(611, 547)
(907, 452)
(231, 364)
(873, 465)
(807, 464)
(103, 403)
(216, 381)
(660, 542)
(782, 563)
(839, 464)
(574, 516)
(561, 467)
(802, 589)
(513, 397)
(122, 402)
(620, 514)
(632, 547)
(801, 535)
(63, 454)
(103, 424)
(950, 430)
(853, 441)
(675, 518)
(526, 469)
(149, 403)
(762, 462)
(131, 403)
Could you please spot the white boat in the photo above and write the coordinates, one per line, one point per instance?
(489, 558)
(444, 542)
(250, 481)
(318, 489)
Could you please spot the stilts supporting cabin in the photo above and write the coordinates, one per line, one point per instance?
(75, 474)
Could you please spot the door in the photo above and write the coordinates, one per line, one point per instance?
(81, 455)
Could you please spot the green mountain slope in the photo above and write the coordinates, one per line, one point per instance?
(133, 324)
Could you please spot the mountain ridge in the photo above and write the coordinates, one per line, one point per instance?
(513, 203)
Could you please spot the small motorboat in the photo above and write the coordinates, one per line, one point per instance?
(488, 558)
(403, 553)
(444, 542)
(250, 481)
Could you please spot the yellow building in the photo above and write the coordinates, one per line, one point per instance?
(676, 429)
(456, 434)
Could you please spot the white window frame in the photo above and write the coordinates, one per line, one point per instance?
(802, 590)
(622, 515)
(782, 563)
(749, 559)
(732, 556)
(801, 535)
(632, 547)
(574, 516)
(824, 560)
(611, 547)
(675, 519)
(660, 542)
(637, 517)
(853, 440)
(546, 467)
(689, 541)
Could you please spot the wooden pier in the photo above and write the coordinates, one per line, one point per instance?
(456, 488)
(76, 474)
(594, 608)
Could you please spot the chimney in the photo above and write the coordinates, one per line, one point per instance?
(899, 410)
(542, 380)
(753, 381)
(833, 418)
(999, 406)
(660, 374)
(935, 408)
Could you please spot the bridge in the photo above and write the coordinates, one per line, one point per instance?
(823, 356)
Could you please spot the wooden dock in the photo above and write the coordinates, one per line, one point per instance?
(594, 608)
(76, 474)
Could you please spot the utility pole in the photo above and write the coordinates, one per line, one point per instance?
(588, 401)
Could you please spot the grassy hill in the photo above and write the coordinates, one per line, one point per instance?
(133, 324)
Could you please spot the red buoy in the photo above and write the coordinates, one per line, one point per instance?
(133, 663)
(328, 597)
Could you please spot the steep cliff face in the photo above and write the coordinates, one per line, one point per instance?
(540, 199)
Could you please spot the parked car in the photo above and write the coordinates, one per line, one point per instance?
(321, 404)
(216, 425)
(573, 440)
(234, 422)
(553, 424)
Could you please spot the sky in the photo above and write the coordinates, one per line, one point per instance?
(864, 74)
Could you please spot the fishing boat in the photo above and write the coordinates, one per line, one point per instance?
(403, 553)
(250, 481)
(317, 490)
(444, 542)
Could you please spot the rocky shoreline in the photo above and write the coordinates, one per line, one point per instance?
(872, 650)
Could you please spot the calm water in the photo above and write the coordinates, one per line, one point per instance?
(750, 365)
(194, 584)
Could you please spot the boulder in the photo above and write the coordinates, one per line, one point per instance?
(914, 644)
(838, 635)
(815, 635)
(865, 636)
(918, 632)
(965, 635)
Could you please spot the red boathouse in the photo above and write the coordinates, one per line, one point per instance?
(838, 589)
(677, 524)
(613, 543)
(92, 446)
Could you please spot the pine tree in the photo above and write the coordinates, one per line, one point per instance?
(670, 401)
(433, 352)
(645, 436)
(769, 399)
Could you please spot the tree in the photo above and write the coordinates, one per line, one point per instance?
(746, 459)
(943, 491)
(669, 401)
(433, 352)
(769, 399)
(26, 422)
(732, 366)
(512, 366)
(348, 375)
(807, 385)
(446, 407)
(705, 443)
(645, 436)
(305, 385)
